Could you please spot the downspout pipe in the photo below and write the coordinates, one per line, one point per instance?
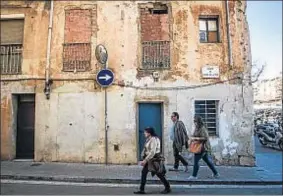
(48, 82)
(230, 59)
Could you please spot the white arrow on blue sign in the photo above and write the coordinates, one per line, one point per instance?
(105, 77)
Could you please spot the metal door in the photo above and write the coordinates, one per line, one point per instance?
(149, 116)
(25, 127)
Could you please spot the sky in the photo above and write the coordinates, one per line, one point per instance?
(265, 23)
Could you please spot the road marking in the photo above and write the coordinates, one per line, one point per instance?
(111, 185)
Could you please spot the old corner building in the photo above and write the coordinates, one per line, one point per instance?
(187, 56)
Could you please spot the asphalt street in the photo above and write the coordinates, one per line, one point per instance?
(268, 157)
(122, 189)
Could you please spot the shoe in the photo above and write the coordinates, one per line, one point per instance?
(192, 178)
(216, 175)
(166, 191)
(186, 168)
(139, 192)
(173, 169)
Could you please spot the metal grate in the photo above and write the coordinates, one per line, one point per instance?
(207, 109)
(155, 54)
(11, 59)
(76, 57)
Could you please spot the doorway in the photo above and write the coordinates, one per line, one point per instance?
(25, 126)
(149, 115)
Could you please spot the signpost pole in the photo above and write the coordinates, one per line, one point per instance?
(106, 123)
(104, 78)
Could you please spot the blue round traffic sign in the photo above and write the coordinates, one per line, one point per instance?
(105, 77)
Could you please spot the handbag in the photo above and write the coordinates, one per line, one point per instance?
(196, 147)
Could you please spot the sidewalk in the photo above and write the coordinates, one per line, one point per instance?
(94, 173)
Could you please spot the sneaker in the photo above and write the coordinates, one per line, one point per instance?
(173, 169)
(216, 175)
(139, 192)
(166, 191)
(192, 178)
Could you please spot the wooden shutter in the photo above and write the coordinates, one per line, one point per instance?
(12, 31)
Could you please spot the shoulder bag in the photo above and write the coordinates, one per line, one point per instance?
(196, 146)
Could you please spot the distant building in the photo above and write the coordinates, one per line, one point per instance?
(268, 93)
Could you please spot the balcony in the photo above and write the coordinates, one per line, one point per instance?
(11, 59)
(155, 55)
(76, 57)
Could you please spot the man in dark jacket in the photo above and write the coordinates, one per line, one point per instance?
(179, 136)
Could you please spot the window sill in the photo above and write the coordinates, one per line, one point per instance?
(154, 69)
(210, 42)
(11, 74)
(76, 71)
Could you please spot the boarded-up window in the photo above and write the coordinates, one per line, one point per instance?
(208, 29)
(155, 37)
(12, 32)
(77, 47)
(208, 110)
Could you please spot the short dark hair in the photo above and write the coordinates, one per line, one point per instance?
(151, 131)
(176, 114)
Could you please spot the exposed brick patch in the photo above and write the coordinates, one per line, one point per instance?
(80, 25)
(155, 38)
(154, 26)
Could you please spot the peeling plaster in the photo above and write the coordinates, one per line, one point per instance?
(81, 103)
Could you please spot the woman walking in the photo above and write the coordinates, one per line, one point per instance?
(153, 161)
(201, 136)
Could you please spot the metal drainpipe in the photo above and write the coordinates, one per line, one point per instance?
(47, 68)
(230, 60)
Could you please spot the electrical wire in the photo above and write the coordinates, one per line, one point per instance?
(176, 87)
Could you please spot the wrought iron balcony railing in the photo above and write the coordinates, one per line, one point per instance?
(11, 59)
(76, 56)
(155, 54)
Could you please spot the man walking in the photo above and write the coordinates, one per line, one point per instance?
(179, 136)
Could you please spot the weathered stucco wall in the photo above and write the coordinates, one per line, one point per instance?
(33, 66)
(70, 125)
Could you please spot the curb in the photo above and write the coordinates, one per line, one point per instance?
(135, 181)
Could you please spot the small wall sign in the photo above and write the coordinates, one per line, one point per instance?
(210, 71)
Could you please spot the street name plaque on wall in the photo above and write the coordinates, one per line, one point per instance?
(210, 71)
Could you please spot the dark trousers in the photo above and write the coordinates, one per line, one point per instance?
(203, 156)
(178, 158)
(144, 176)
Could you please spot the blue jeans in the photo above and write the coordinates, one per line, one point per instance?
(206, 159)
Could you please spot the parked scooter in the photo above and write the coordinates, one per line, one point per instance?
(273, 137)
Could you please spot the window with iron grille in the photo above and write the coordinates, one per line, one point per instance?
(156, 54)
(77, 56)
(208, 110)
(155, 37)
(208, 29)
(11, 46)
(77, 47)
